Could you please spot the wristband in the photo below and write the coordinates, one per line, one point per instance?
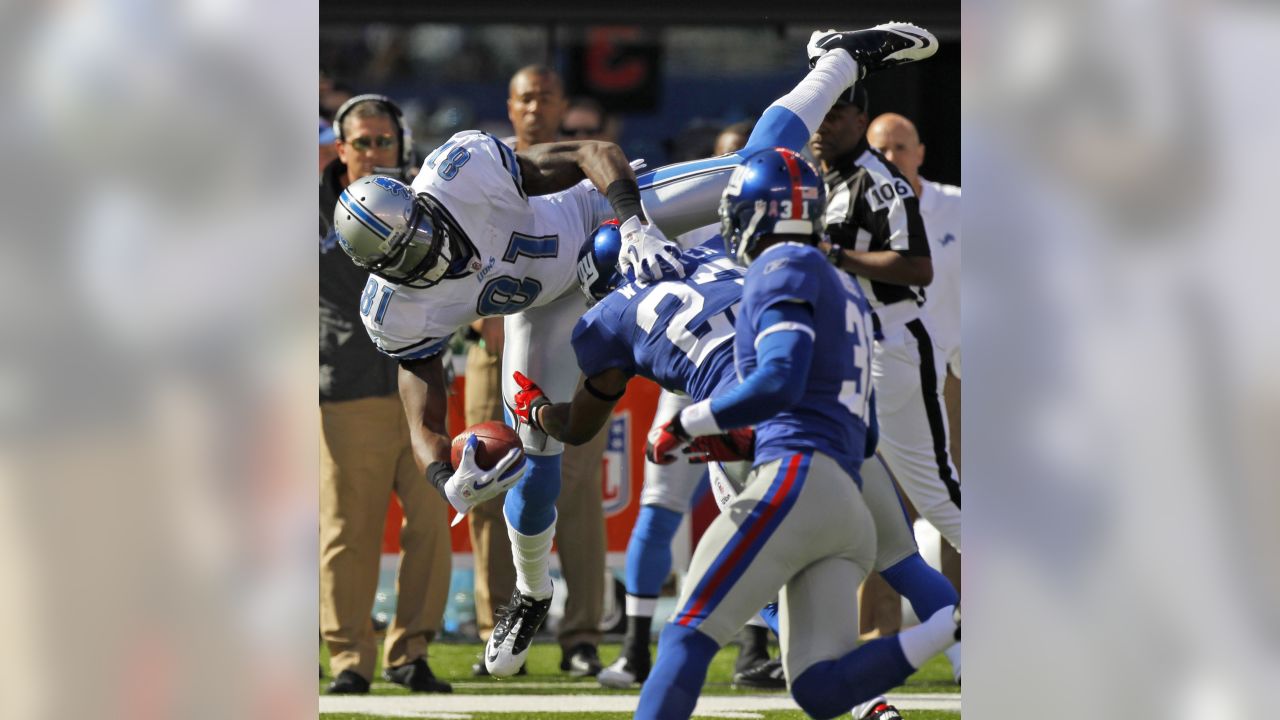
(699, 420)
(835, 255)
(538, 403)
(438, 473)
(624, 196)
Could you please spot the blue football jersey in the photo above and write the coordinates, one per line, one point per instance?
(677, 333)
(832, 414)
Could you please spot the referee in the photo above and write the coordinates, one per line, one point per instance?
(877, 235)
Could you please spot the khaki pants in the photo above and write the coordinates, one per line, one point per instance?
(580, 541)
(365, 456)
(579, 525)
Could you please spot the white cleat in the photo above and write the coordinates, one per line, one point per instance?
(622, 674)
(518, 622)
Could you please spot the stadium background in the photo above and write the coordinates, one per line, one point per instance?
(672, 75)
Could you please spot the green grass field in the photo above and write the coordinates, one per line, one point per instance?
(452, 662)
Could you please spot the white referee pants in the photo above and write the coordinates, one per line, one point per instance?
(908, 371)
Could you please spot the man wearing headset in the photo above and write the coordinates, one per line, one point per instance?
(365, 451)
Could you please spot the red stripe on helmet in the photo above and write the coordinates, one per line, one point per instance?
(793, 168)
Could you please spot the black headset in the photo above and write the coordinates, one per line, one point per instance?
(397, 118)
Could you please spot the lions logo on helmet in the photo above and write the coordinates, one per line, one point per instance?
(773, 192)
(390, 231)
(598, 262)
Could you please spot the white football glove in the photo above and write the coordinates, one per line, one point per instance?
(469, 486)
(647, 255)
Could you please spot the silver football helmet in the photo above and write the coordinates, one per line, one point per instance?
(392, 232)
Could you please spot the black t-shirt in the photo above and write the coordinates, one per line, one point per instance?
(351, 367)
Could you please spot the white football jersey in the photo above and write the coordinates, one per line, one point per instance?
(524, 249)
(940, 209)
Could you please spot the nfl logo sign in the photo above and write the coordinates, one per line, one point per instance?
(617, 465)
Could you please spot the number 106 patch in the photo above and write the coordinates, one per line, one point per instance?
(881, 196)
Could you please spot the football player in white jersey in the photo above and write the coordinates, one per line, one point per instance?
(479, 233)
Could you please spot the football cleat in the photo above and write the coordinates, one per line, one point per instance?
(417, 676)
(518, 621)
(767, 675)
(883, 711)
(624, 673)
(875, 48)
(582, 660)
(753, 650)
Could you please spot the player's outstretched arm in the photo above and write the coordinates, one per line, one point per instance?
(572, 423)
(552, 167)
(425, 397)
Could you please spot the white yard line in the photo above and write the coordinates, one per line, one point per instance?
(459, 706)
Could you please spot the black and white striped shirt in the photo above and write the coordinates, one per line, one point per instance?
(871, 207)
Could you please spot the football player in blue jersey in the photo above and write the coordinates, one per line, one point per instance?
(677, 333)
(800, 524)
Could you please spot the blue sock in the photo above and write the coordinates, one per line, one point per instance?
(770, 617)
(672, 690)
(649, 550)
(926, 589)
(777, 127)
(531, 504)
(831, 688)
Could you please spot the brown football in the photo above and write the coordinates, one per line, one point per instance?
(496, 440)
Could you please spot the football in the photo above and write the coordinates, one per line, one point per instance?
(496, 440)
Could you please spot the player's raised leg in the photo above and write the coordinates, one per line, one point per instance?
(685, 196)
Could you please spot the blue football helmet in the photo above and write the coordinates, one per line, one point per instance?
(393, 232)
(773, 192)
(598, 273)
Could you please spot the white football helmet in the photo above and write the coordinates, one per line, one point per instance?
(392, 232)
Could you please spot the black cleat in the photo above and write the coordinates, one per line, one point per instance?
(348, 682)
(582, 660)
(753, 650)
(417, 676)
(875, 48)
(765, 676)
(518, 621)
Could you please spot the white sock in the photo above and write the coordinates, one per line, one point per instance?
(929, 637)
(532, 556)
(953, 654)
(641, 607)
(757, 621)
(817, 92)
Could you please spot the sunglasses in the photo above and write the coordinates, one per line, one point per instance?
(364, 142)
(575, 132)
